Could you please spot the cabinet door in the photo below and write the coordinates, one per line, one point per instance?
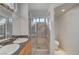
(22, 52)
(27, 49)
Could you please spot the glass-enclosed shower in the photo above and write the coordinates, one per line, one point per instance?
(39, 32)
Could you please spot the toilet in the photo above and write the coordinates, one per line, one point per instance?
(56, 45)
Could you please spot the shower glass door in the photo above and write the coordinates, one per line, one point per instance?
(39, 34)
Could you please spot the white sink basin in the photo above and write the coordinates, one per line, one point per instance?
(9, 49)
(20, 40)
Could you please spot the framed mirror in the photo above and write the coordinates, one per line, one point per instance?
(9, 28)
(5, 27)
(2, 27)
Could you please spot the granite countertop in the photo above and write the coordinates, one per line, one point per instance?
(22, 45)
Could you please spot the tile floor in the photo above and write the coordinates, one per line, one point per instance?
(40, 46)
(59, 52)
(41, 52)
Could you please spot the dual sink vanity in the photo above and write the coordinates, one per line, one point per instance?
(10, 44)
(19, 46)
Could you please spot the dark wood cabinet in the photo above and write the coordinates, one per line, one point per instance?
(27, 50)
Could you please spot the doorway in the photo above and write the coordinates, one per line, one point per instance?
(39, 32)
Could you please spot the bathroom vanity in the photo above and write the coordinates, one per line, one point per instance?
(27, 49)
(10, 45)
(19, 46)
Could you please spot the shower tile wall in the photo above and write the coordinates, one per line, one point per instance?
(40, 40)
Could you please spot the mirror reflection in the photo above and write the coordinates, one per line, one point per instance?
(5, 27)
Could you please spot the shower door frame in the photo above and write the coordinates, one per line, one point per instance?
(36, 33)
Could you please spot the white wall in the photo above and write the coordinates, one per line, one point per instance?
(52, 32)
(68, 31)
(51, 25)
(16, 26)
(37, 13)
(24, 19)
(21, 22)
(16, 21)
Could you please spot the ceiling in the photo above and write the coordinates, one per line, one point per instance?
(39, 6)
(65, 6)
(38, 9)
(41, 9)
